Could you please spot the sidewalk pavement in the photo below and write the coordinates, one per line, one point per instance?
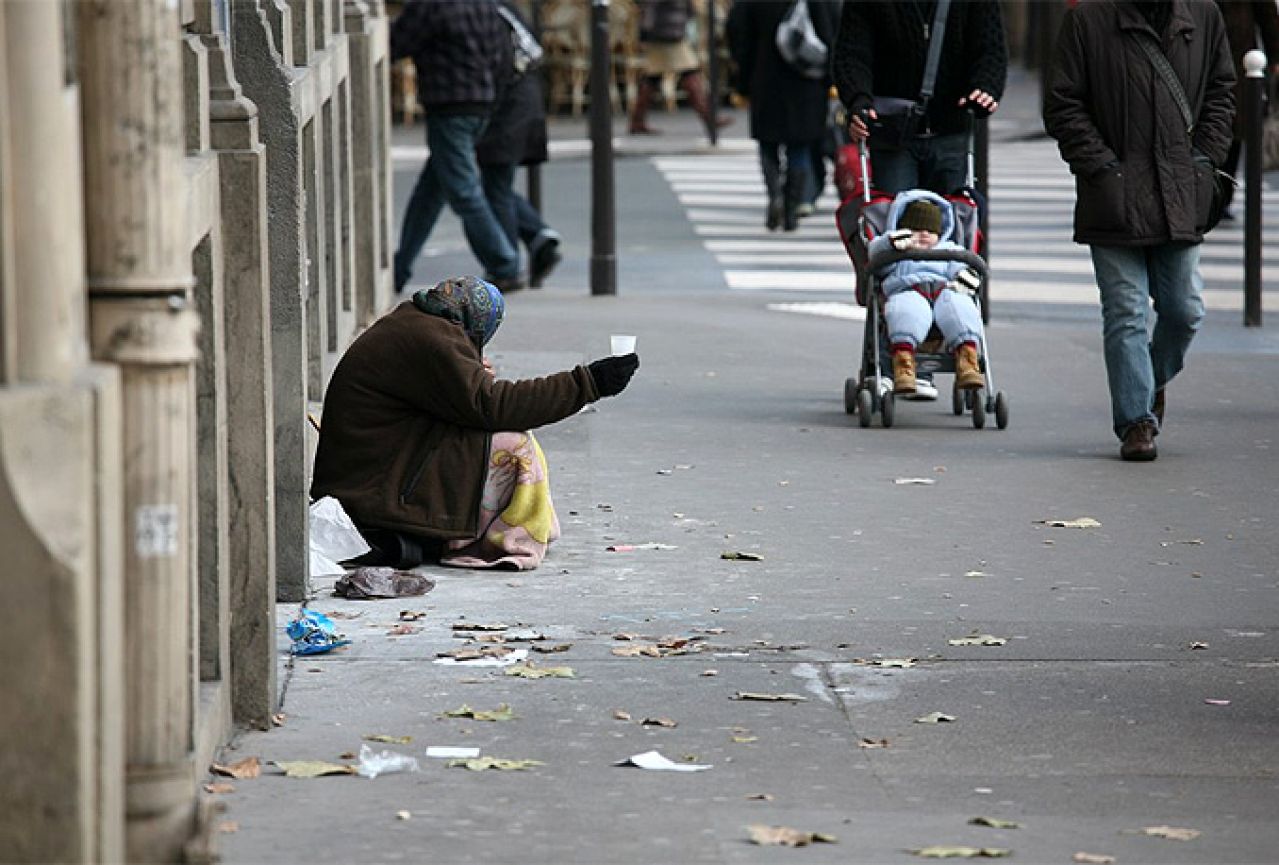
(1130, 682)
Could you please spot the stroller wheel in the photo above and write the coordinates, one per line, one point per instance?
(956, 401)
(1001, 410)
(865, 408)
(979, 408)
(850, 395)
(887, 409)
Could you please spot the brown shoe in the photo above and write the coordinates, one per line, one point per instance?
(1139, 443)
(968, 369)
(1158, 408)
(903, 371)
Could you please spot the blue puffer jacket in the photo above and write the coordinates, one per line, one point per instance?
(907, 275)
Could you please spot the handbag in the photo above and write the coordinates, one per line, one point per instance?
(799, 44)
(1212, 186)
(526, 54)
(899, 120)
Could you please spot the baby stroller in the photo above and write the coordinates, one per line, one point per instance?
(860, 222)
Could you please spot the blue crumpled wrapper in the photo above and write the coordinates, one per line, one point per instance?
(313, 633)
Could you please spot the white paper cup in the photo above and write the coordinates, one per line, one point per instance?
(622, 343)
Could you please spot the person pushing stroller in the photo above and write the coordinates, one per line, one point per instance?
(919, 293)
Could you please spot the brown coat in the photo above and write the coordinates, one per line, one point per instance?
(408, 418)
(1119, 128)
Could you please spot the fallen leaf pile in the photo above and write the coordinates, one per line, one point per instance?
(249, 767)
(944, 852)
(313, 768)
(529, 670)
(479, 764)
(501, 713)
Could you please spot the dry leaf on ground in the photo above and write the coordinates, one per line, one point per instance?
(898, 663)
(776, 698)
(739, 556)
(502, 713)
(313, 768)
(475, 653)
(1093, 859)
(389, 740)
(412, 615)
(478, 626)
(403, 630)
(935, 718)
(1172, 833)
(551, 650)
(659, 722)
(978, 640)
(994, 823)
(530, 671)
(479, 764)
(873, 743)
(249, 767)
(784, 836)
(621, 715)
(219, 787)
(944, 852)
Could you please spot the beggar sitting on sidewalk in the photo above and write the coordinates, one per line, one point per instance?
(429, 452)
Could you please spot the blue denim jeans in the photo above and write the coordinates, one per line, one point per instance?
(1140, 361)
(938, 163)
(517, 217)
(452, 176)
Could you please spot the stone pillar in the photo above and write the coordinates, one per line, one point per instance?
(247, 283)
(141, 320)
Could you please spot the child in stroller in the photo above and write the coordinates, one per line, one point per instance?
(921, 292)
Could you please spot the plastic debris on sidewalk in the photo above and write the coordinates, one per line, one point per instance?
(334, 538)
(373, 763)
(655, 762)
(452, 752)
(313, 633)
(364, 583)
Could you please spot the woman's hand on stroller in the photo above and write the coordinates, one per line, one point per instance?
(981, 103)
(859, 124)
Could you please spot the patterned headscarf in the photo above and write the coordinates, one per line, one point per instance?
(473, 303)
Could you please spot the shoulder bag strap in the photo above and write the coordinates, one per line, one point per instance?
(934, 51)
(1164, 68)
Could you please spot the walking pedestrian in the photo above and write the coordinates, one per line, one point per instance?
(787, 109)
(461, 51)
(516, 135)
(1142, 200)
(882, 50)
(1245, 21)
(664, 39)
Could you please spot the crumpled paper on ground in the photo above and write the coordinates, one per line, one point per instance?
(334, 538)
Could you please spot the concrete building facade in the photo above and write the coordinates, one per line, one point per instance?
(194, 223)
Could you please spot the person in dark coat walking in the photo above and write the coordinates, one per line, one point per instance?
(1144, 183)
(788, 110)
(1246, 20)
(461, 51)
(881, 52)
(515, 136)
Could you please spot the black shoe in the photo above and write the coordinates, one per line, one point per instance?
(1158, 408)
(774, 219)
(542, 260)
(1139, 443)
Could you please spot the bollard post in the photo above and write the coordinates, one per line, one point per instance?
(1254, 64)
(712, 73)
(603, 209)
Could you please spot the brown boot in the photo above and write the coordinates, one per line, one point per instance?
(967, 368)
(695, 90)
(1139, 443)
(639, 111)
(903, 371)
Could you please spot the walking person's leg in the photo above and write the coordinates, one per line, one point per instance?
(543, 242)
(498, 180)
(452, 141)
(799, 174)
(425, 203)
(1177, 291)
(1123, 280)
(770, 165)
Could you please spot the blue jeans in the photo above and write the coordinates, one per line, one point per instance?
(1139, 362)
(796, 182)
(451, 175)
(938, 163)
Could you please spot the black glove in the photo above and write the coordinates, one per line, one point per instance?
(613, 374)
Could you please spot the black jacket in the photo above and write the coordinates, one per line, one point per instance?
(785, 106)
(1118, 126)
(516, 132)
(882, 49)
(461, 50)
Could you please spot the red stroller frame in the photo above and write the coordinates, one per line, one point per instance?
(860, 222)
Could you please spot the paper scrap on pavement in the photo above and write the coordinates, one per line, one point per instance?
(654, 761)
(923, 482)
(452, 752)
(505, 661)
(1078, 523)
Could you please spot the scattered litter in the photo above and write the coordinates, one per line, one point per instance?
(502, 713)
(1077, 523)
(217, 788)
(228, 827)
(523, 635)
(742, 736)
(412, 615)
(313, 633)
(479, 764)
(661, 649)
(1093, 859)
(277, 720)
(761, 797)
(403, 815)
(477, 653)
(1214, 702)
(403, 630)
(241, 770)
(659, 722)
(655, 762)
(621, 715)
(1172, 833)
(364, 583)
(994, 823)
(787, 698)
(334, 538)
(897, 663)
(377, 763)
(478, 626)
(709, 673)
(314, 768)
(452, 752)
(343, 614)
(630, 548)
(530, 671)
(978, 640)
(784, 836)
(976, 574)
(1197, 644)
(551, 650)
(388, 740)
(739, 556)
(941, 852)
(935, 718)
(873, 743)
(1194, 542)
(923, 482)
(513, 656)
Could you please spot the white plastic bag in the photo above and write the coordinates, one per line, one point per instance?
(334, 537)
(374, 763)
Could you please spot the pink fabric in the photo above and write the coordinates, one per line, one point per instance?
(517, 516)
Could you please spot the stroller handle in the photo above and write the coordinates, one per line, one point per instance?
(885, 257)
